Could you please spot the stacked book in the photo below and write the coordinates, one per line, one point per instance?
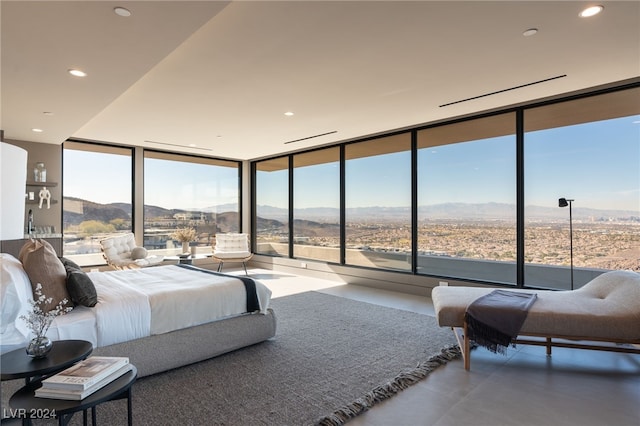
(84, 378)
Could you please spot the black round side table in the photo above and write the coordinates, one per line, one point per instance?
(64, 353)
(28, 406)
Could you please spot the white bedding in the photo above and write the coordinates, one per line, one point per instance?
(131, 304)
(142, 302)
(81, 325)
(122, 312)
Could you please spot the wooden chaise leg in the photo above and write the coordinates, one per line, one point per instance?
(548, 346)
(464, 344)
(466, 353)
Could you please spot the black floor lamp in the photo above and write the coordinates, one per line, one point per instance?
(563, 202)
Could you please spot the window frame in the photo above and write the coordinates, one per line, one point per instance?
(519, 161)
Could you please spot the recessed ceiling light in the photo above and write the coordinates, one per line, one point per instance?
(47, 113)
(121, 11)
(37, 130)
(77, 73)
(530, 32)
(288, 113)
(591, 11)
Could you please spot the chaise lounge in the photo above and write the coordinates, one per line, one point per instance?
(122, 252)
(604, 314)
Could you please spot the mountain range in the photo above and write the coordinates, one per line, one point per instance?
(77, 210)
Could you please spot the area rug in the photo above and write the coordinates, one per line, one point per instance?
(332, 359)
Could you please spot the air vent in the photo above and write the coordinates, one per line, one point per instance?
(179, 146)
(503, 90)
(311, 137)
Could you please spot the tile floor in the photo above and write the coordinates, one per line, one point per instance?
(572, 387)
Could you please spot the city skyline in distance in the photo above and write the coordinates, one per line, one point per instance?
(477, 211)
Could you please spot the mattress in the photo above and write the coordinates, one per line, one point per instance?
(81, 325)
(142, 302)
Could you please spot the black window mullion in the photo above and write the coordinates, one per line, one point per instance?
(290, 206)
(253, 208)
(414, 202)
(520, 198)
(343, 216)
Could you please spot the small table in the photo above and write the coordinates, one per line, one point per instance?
(28, 406)
(64, 353)
(187, 259)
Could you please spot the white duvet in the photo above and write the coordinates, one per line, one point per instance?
(147, 301)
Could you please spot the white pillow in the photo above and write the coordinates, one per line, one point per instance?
(16, 293)
(138, 253)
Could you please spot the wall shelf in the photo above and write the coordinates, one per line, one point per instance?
(38, 202)
(34, 183)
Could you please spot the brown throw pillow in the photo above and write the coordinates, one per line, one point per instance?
(43, 266)
(28, 246)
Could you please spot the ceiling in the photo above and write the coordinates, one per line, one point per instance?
(215, 78)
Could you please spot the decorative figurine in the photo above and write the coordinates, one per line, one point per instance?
(45, 194)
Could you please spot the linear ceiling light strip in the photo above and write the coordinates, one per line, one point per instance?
(503, 90)
(311, 137)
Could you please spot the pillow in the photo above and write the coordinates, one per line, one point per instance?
(138, 253)
(14, 296)
(68, 262)
(43, 266)
(23, 251)
(81, 288)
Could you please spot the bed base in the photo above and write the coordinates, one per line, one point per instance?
(162, 352)
(574, 342)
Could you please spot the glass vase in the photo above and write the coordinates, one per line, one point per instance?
(185, 247)
(39, 347)
(40, 173)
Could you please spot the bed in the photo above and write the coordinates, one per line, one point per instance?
(161, 317)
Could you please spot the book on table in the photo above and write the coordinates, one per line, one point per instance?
(85, 373)
(77, 394)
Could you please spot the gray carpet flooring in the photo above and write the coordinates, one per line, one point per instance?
(330, 354)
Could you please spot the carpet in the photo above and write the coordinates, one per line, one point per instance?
(331, 359)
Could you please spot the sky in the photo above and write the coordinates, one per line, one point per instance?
(168, 184)
(193, 185)
(596, 164)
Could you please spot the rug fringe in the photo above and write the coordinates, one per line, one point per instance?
(389, 389)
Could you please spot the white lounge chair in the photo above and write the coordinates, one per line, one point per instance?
(230, 248)
(122, 252)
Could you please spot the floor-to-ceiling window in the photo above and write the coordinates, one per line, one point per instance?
(378, 203)
(467, 199)
(188, 192)
(485, 194)
(272, 206)
(97, 197)
(587, 152)
(316, 198)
